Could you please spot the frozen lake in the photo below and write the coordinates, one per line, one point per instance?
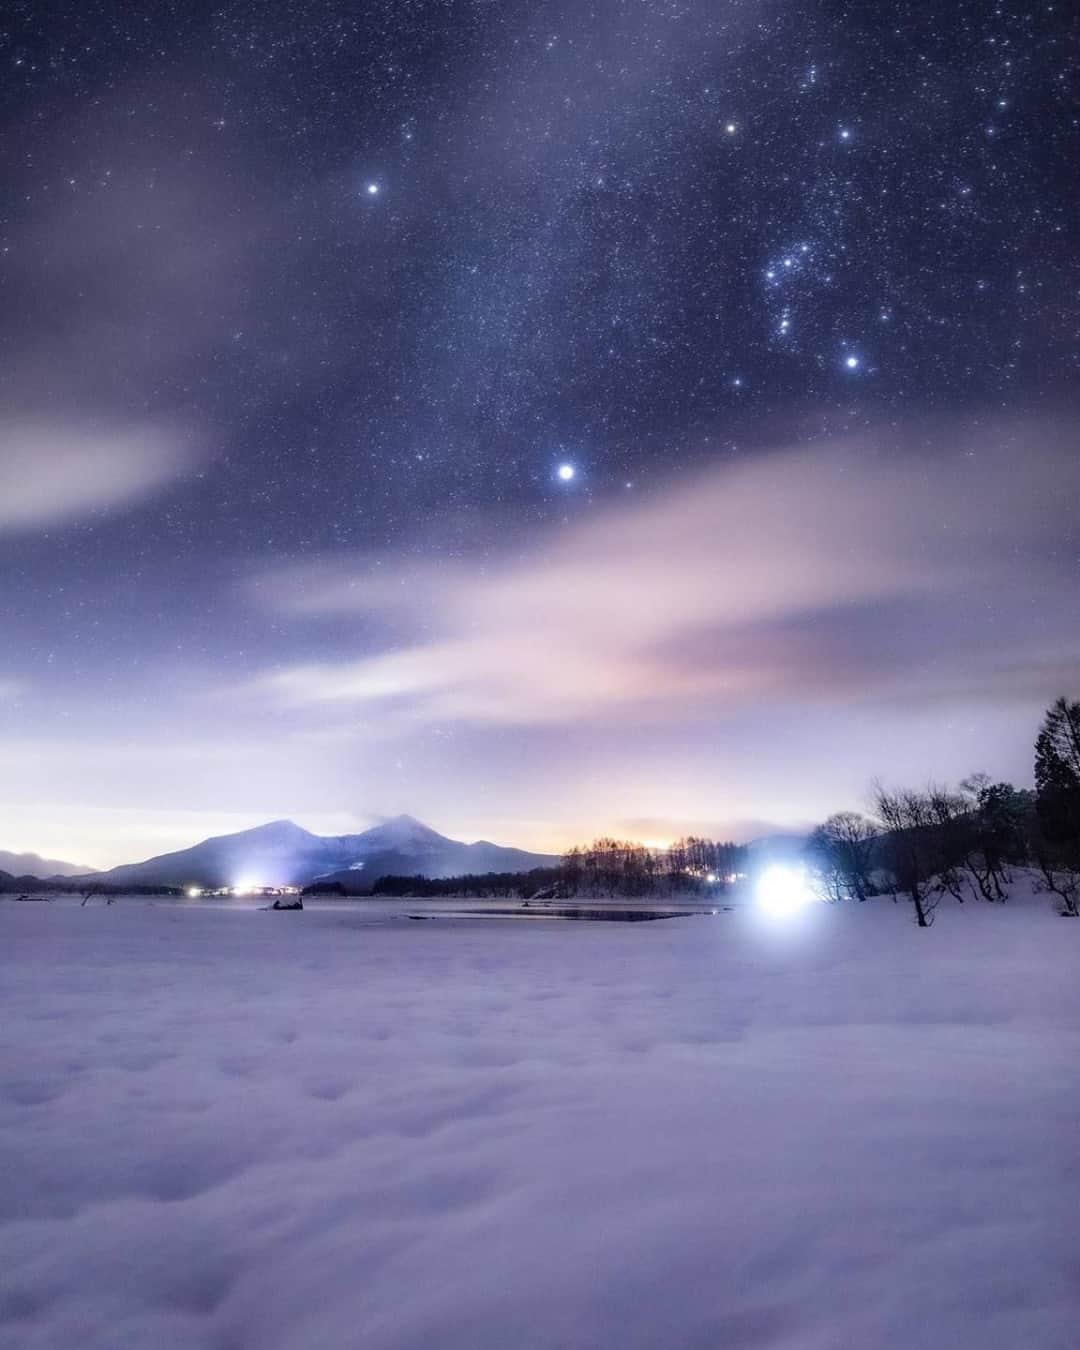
(225, 1129)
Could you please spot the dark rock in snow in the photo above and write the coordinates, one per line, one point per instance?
(288, 902)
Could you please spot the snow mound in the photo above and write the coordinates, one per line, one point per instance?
(220, 1130)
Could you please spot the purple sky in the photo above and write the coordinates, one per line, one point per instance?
(544, 419)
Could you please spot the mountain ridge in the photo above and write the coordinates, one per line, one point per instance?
(281, 853)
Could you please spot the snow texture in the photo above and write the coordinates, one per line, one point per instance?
(224, 1129)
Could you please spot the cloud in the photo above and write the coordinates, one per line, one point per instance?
(52, 473)
(127, 276)
(890, 566)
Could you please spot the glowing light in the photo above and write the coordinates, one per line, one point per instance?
(566, 472)
(247, 887)
(373, 189)
(193, 892)
(711, 877)
(731, 128)
(851, 362)
(783, 891)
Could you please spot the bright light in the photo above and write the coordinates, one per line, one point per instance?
(247, 887)
(373, 189)
(852, 363)
(194, 892)
(566, 472)
(711, 878)
(783, 891)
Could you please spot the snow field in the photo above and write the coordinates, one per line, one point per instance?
(235, 1130)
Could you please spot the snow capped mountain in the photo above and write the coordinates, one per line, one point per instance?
(282, 853)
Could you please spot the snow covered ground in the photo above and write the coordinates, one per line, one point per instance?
(236, 1130)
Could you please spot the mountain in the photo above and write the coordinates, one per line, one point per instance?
(405, 847)
(30, 864)
(276, 854)
(282, 853)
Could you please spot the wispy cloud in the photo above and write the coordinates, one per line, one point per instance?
(869, 567)
(127, 273)
(52, 473)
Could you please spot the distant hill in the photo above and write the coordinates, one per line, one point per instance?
(283, 854)
(10, 884)
(30, 864)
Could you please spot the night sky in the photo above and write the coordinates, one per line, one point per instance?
(541, 417)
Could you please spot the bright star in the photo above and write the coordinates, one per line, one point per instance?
(852, 362)
(373, 189)
(845, 135)
(731, 128)
(566, 472)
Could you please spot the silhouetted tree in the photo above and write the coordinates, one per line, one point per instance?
(995, 835)
(909, 847)
(841, 854)
(1056, 843)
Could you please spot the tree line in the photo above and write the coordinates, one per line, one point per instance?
(927, 843)
(606, 867)
(622, 867)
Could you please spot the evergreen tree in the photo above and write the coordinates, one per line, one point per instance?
(1057, 800)
(1057, 773)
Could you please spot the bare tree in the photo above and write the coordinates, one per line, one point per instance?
(907, 818)
(950, 841)
(841, 852)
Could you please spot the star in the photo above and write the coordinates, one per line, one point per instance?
(372, 189)
(565, 473)
(852, 362)
(731, 128)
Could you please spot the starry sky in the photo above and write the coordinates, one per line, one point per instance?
(544, 417)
